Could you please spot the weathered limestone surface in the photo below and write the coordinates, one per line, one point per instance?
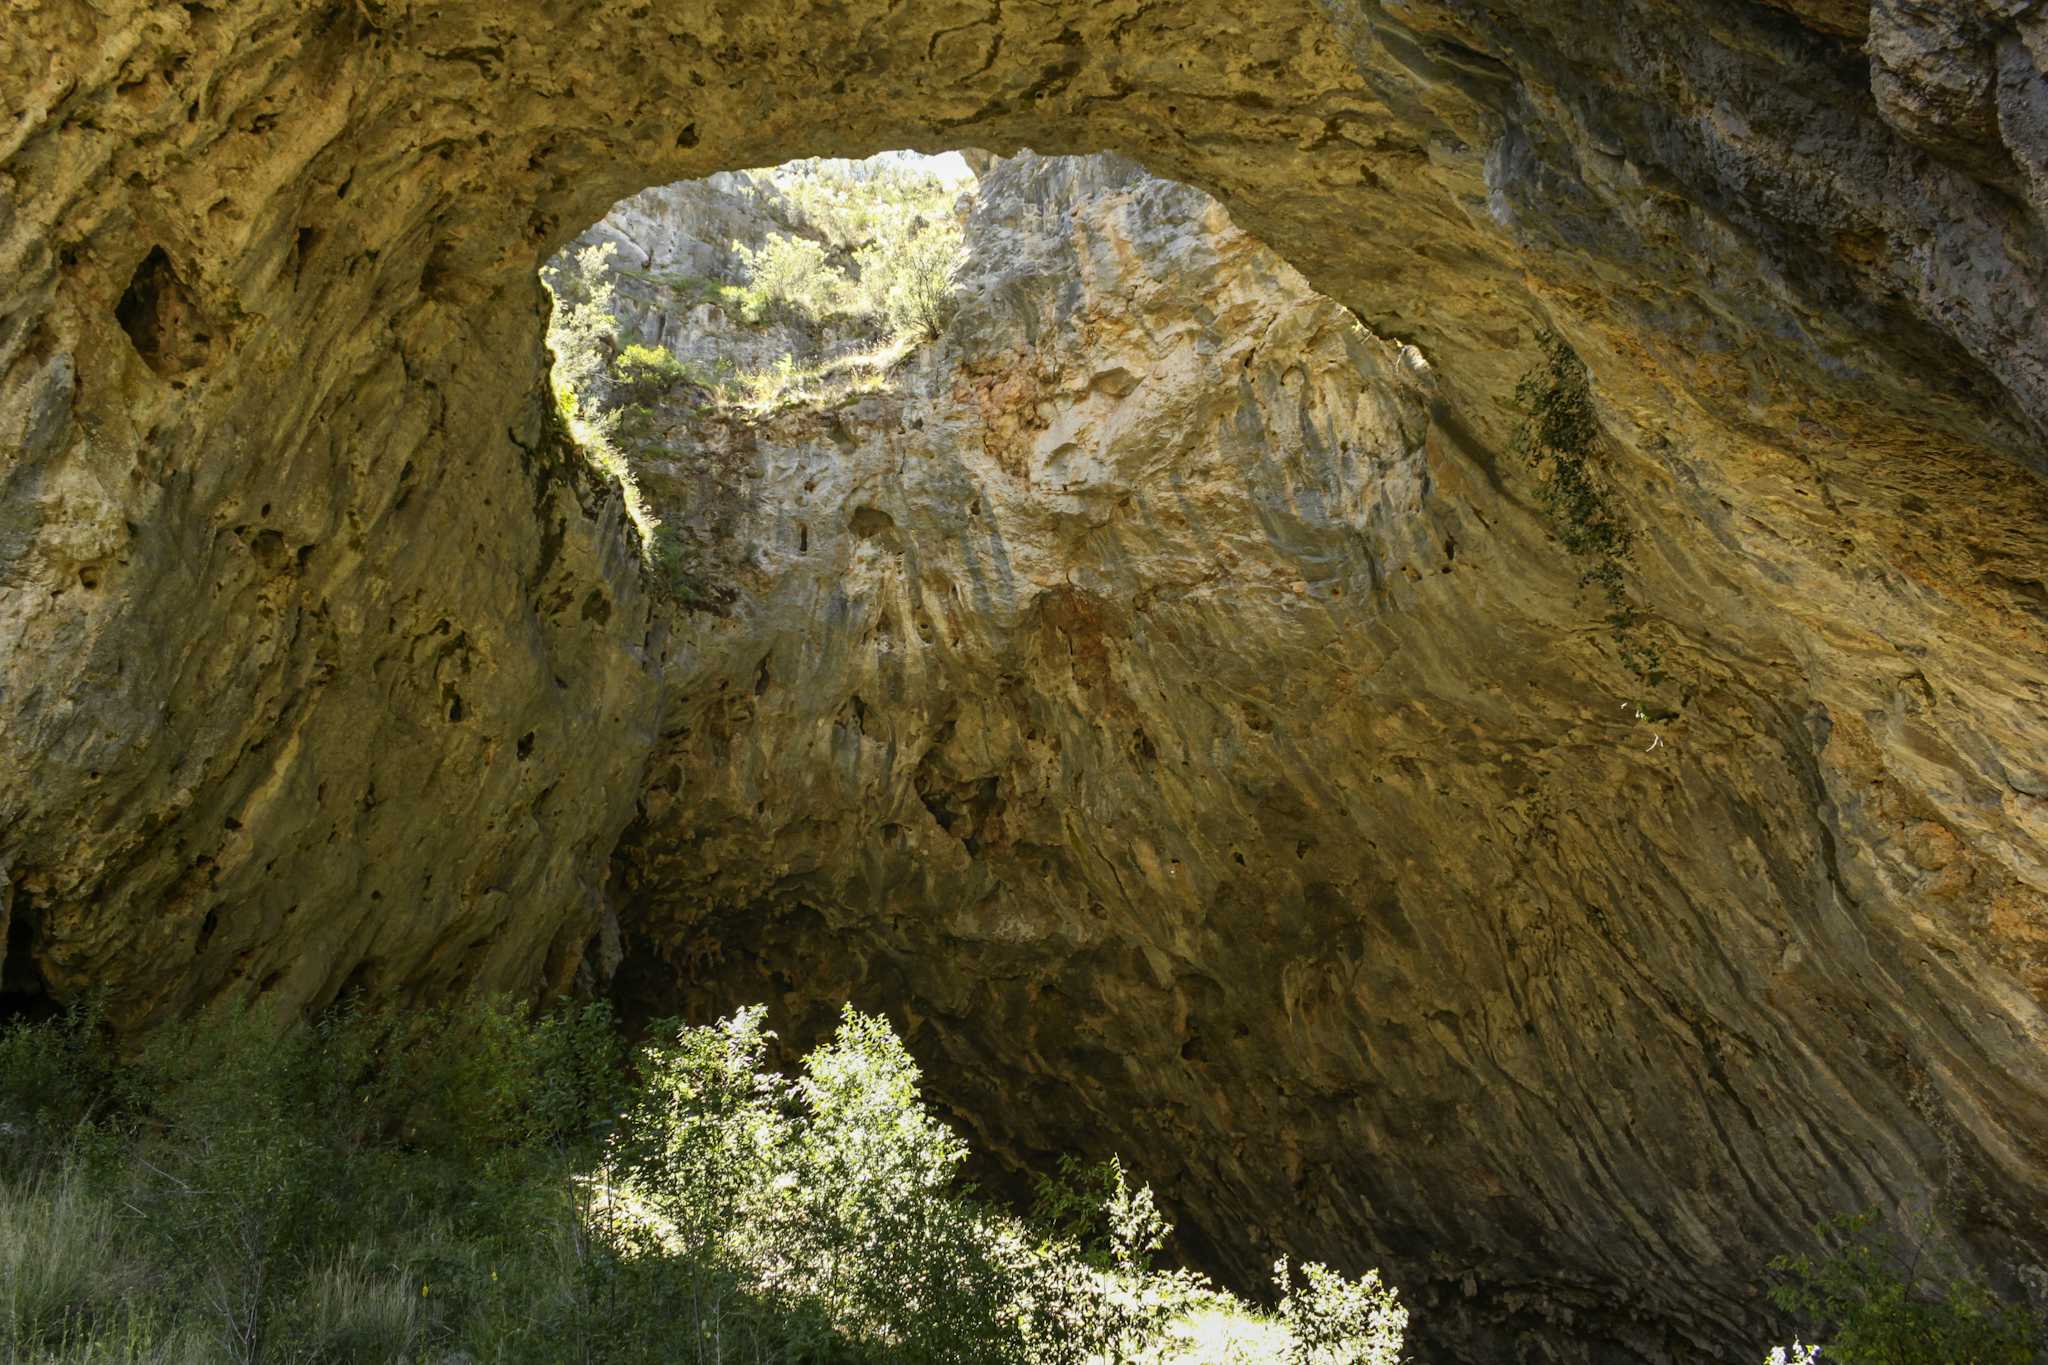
(671, 247)
(1155, 703)
(320, 662)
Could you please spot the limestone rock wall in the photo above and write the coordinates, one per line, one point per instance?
(320, 662)
(673, 246)
(1157, 707)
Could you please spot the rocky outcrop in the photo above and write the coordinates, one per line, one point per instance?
(322, 662)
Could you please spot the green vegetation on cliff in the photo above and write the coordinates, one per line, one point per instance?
(1560, 436)
(855, 275)
(473, 1184)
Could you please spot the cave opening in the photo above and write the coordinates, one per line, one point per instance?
(1116, 697)
(1060, 680)
(921, 455)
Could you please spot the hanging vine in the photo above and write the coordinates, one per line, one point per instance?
(1560, 437)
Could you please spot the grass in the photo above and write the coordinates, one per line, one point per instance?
(57, 1266)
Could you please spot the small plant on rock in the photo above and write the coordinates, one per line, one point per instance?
(1560, 435)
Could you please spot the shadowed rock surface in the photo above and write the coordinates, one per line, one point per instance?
(324, 663)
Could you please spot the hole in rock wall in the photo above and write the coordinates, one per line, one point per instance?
(24, 994)
(1062, 612)
(692, 312)
(163, 320)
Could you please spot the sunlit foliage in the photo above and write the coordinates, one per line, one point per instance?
(482, 1184)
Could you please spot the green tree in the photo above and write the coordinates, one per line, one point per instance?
(582, 332)
(906, 278)
(789, 279)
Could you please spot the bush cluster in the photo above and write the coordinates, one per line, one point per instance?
(476, 1184)
(359, 1189)
(1880, 1299)
(900, 284)
(1332, 1320)
(479, 1184)
(874, 247)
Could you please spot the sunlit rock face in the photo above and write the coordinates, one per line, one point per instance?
(670, 248)
(323, 663)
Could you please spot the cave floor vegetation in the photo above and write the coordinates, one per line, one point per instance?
(476, 1184)
(479, 1183)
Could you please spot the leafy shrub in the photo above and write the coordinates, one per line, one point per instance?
(1332, 1320)
(906, 279)
(1877, 1300)
(51, 1077)
(1097, 1295)
(835, 1187)
(1795, 1354)
(644, 374)
(789, 279)
(264, 1189)
(484, 1183)
(896, 227)
(582, 333)
(848, 204)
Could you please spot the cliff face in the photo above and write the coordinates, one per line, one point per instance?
(322, 662)
(1153, 699)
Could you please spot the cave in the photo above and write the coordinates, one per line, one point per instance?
(1566, 994)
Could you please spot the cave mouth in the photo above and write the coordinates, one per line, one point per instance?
(732, 296)
(1018, 669)
(763, 286)
(1643, 1006)
(1061, 681)
(759, 359)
